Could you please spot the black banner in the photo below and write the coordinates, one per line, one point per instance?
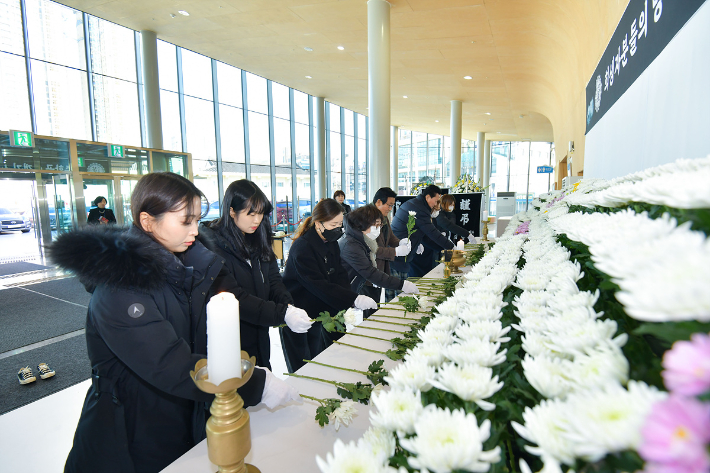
(644, 30)
(467, 210)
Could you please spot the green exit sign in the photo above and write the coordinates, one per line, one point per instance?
(115, 151)
(24, 139)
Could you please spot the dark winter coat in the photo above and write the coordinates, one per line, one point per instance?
(356, 256)
(447, 223)
(387, 244)
(268, 298)
(315, 276)
(346, 208)
(145, 330)
(95, 214)
(423, 225)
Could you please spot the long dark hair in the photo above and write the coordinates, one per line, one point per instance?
(240, 195)
(325, 210)
(158, 193)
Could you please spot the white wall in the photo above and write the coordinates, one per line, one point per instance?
(664, 115)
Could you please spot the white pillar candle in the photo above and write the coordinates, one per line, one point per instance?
(460, 245)
(224, 351)
(485, 216)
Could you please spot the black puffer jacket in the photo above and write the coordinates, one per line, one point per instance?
(268, 298)
(355, 254)
(447, 223)
(145, 330)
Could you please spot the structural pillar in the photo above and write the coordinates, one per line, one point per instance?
(487, 174)
(455, 140)
(319, 113)
(378, 86)
(151, 89)
(394, 184)
(481, 141)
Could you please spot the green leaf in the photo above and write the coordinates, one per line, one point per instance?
(671, 332)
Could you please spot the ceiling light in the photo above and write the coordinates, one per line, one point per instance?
(308, 49)
(473, 42)
(487, 113)
(183, 13)
(309, 77)
(498, 132)
(437, 121)
(341, 48)
(404, 96)
(521, 116)
(467, 77)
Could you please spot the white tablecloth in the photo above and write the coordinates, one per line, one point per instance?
(288, 438)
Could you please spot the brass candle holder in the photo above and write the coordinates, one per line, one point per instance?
(228, 432)
(484, 237)
(457, 260)
(452, 260)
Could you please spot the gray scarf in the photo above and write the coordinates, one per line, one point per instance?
(372, 244)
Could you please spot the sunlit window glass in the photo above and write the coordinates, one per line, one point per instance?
(61, 101)
(259, 139)
(199, 128)
(56, 33)
(196, 75)
(348, 123)
(334, 110)
(113, 50)
(300, 107)
(280, 97)
(116, 110)
(282, 142)
(256, 94)
(167, 66)
(11, 26)
(170, 119)
(231, 134)
(14, 101)
(229, 82)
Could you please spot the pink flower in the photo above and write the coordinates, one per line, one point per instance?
(687, 366)
(675, 436)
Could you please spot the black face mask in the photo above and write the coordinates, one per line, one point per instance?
(331, 235)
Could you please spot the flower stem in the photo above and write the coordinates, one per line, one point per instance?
(337, 367)
(381, 329)
(321, 401)
(404, 310)
(394, 317)
(371, 319)
(314, 379)
(367, 336)
(359, 348)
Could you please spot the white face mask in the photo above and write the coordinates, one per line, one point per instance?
(435, 214)
(451, 209)
(373, 233)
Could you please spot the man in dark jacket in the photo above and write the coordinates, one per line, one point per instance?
(426, 235)
(268, 298)
(389, 247)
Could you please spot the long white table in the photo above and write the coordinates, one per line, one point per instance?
(288, 438)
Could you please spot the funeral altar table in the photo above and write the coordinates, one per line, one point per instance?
(288, 438)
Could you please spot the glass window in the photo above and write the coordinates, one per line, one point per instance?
(362, 170)
(231, 133)
(334, 124)
(362, 126)
(300, 107)
(205, 178)
(303, 149)
(518, 170)
(259, 139)
(171, 162)
(61, 101)
(196, 75)
(14, 100)
(279, 94)
(116, 110)
(56, 33)
(336, 183)
(282, 142)
(229, 82)
(11, 39)
(540, 156)
(113, 49)
(348, 122)
(167, 66)
(447, 162)
(199, 128)
(284, 202)
(170, 119)
(256, 94)
(349, 166)
(261, 176)
(94, 158)
(335, 151)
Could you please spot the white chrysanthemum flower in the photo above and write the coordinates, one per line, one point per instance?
(442, 337)
(427, 352)
(411, 374)
(397, 409)
(549, 376)
(469, 382)
(609, 419)
(447, 441)
(530, 310)
(580, 299)
(381, 442)
(537, 344)
(475, 313)
(579, 337)
(531, 281)
(546, 426)
(448, 308)
(443, 323)
(602, 365)
(352, 458)
(343, 414)
(532, 298)
(574, 314)
(489, 330)
(351, 316)
(376, 389)
(412, 213)
(562, 285)
(475, 352)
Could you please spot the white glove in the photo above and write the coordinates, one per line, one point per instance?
(443, 233)
(472, 239)
(297, 319)
(410, 288)
(276, 391)
(404, 248)
(420, 249)
(364, 303)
